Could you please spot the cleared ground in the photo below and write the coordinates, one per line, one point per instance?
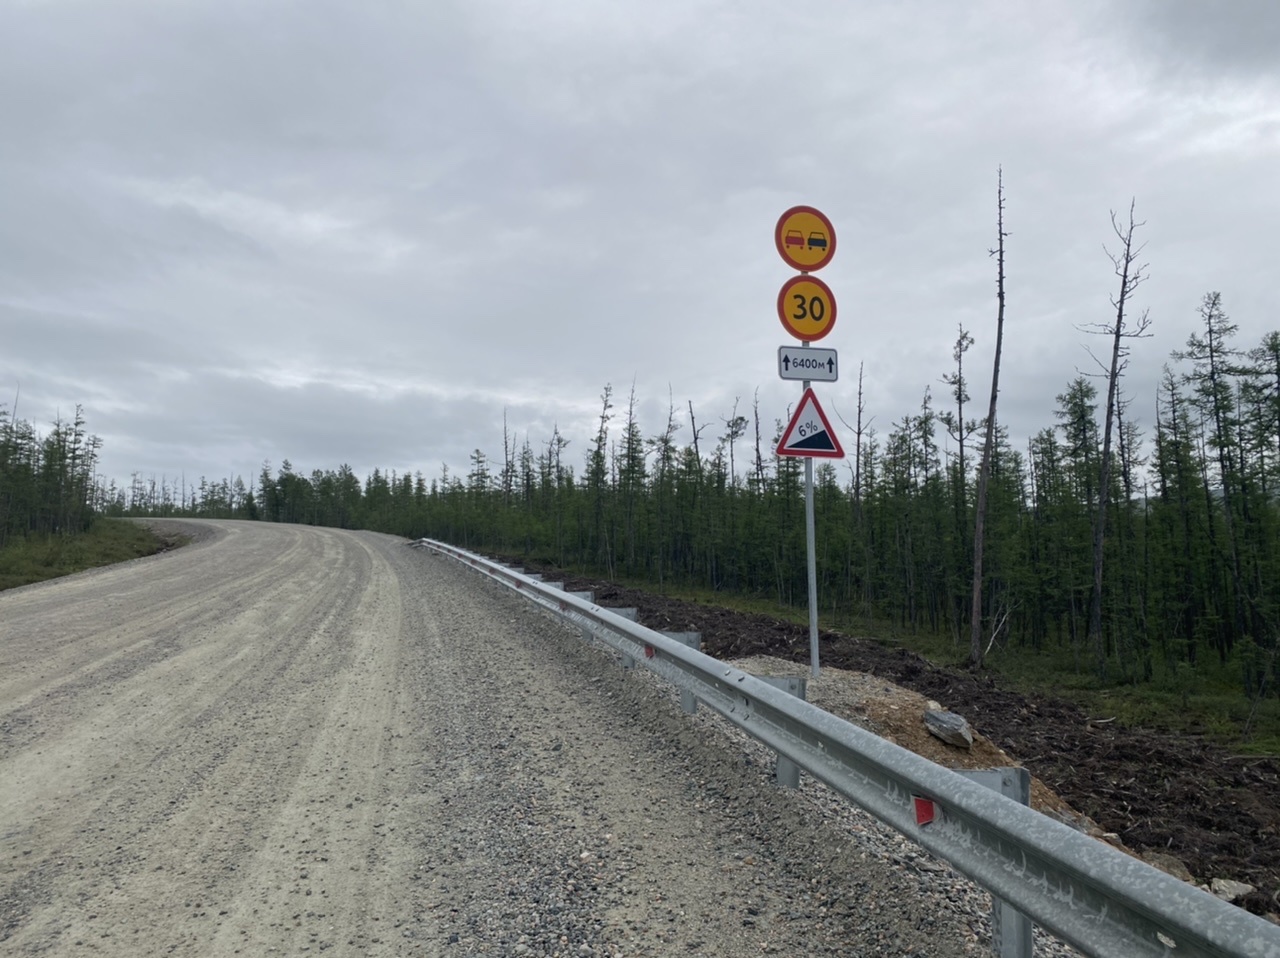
(286, 740)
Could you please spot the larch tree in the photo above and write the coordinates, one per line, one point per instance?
(1214, 364)
(597, 481)
(960, 429)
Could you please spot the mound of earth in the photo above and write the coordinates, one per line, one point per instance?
(1176, 800)
(897, 714)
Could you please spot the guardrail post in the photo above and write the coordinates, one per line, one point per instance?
(1011, 930)
(634, 615)
(688, 701)
(588, 633)
(787, 772)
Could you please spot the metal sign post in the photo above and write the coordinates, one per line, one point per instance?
(806, 240)
(811, 555)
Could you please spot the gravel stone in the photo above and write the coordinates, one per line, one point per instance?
(285, 740)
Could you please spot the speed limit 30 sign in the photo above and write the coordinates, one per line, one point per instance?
(807, 308)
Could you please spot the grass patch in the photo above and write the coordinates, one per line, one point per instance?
(1208, 700)
(108, 541)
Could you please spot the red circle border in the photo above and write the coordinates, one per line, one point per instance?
(831, 231)
(782, 312)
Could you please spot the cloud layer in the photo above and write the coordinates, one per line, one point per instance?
(364, 234)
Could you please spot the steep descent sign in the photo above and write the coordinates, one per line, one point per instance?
(809, 433)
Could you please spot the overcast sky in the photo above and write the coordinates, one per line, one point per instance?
(237, 230)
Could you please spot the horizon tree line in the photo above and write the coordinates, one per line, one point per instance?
(1192, 545)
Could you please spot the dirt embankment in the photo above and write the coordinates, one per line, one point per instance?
(1160, 793)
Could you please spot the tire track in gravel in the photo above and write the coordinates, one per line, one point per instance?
(297, 741)
(152, 780)
(94, 639)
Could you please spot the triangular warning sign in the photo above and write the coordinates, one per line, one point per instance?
(809, 433)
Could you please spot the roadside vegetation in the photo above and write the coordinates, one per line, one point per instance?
(36, 558)
(46, 482)
(49, 509)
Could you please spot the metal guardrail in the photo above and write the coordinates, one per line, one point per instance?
(1100, 900)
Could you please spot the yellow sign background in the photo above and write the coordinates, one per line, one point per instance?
(805, 238)
(807, 308)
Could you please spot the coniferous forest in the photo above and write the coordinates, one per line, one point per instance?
(1190, 569)
(47, 483)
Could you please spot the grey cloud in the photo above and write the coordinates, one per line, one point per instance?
(340, 233)
(1216, 41)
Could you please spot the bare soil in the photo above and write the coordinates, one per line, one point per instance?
(1156, 793)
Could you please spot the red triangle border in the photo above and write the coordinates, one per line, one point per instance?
(837, 453)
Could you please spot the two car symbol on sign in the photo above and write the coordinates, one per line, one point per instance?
(796, 238)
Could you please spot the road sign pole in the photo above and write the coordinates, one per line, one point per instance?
(806, 240)
(812, 555)
(813, 567)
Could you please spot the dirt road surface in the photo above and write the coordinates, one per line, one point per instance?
(291, 741)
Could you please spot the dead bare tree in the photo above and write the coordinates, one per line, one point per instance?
(736, 427)
(1131, 274)
(697, 431)
(984, 468)
(508, 461)
(858, 429)
(759, 463)
(857, 452)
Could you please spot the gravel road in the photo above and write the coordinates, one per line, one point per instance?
(283, 740)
